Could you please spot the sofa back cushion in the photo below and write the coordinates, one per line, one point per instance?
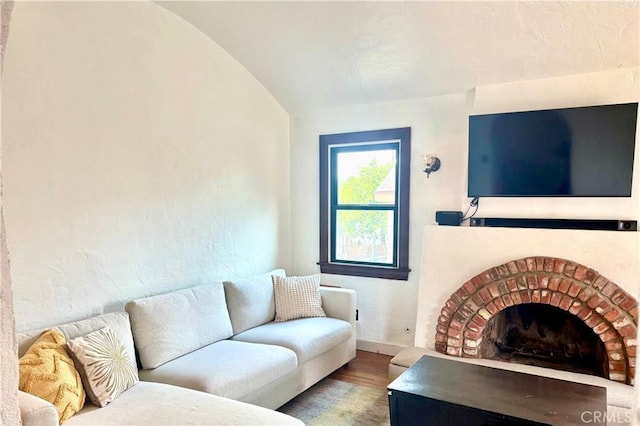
(173, 324)
(117, 321)
(250, 300)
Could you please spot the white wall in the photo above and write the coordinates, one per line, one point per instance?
(139, 157)
(9, 411)
(439, 126)
(599, 88)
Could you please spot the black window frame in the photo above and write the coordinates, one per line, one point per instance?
(330, 146)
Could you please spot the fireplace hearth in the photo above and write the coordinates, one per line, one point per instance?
(544, 311)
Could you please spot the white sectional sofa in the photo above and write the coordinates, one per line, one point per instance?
(236, 350)
(212, 355)
(145, 403)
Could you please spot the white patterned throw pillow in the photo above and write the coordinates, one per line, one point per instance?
(297, 297)
(104, 365)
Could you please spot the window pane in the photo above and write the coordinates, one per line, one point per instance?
(366, 177)
(364, 236)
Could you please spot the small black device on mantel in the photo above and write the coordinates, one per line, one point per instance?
(568, 152)
(449, 218)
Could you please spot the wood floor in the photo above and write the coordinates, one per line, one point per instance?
(368, 368)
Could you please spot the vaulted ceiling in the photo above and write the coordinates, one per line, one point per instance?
(316, 54)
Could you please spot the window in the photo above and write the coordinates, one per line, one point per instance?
(364, 203)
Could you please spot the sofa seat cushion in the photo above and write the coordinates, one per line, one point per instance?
(160, 404)
(226, 368)
(307, 337)
(173, 324)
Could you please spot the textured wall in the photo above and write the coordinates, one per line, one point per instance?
(387, 307)
(9, 413)
(439, 125)
(139, 158)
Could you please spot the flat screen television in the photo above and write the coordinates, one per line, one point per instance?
(570, 152)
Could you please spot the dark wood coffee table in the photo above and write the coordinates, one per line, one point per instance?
(438, 391)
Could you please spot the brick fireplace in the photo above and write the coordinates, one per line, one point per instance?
(605, 308)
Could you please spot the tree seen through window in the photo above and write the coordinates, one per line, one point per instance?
(366, 235)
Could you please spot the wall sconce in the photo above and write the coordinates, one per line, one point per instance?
(431, 163)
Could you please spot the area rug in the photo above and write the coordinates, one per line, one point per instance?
(334, 402)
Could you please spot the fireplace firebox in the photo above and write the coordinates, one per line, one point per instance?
(545, 336)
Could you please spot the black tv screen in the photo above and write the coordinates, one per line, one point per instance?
(571, 152)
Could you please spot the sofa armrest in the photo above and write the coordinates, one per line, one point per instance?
(339, 303)
(36, 411)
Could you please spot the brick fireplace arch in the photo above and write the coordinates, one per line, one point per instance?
(607, 309)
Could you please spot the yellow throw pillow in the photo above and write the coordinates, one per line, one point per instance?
(47, 371)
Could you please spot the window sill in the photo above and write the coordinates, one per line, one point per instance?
(365, 271)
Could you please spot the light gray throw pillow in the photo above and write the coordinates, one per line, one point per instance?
(297, 297)
(104, 365)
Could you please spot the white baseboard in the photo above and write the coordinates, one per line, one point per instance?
(378, 347)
